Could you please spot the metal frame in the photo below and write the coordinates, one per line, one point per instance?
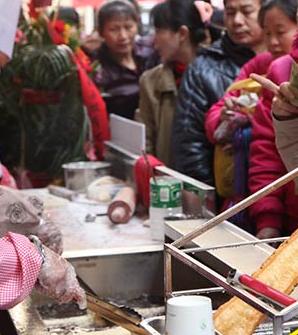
(279, 317)
(172, 250)
(237, 208)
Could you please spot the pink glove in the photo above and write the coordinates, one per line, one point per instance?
(57, 279)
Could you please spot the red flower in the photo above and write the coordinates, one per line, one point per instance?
(59, 26)
(83, 59)
(33, 4)
(42, 3)
(55, 30)
(19, 36)
(32, 11)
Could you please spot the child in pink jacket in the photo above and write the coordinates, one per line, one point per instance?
(278, 19)
(277, 213)
(272, 14)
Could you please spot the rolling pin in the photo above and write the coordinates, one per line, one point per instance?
(123, 206)
(62, 192)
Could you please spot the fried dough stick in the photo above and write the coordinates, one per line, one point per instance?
(279, 271)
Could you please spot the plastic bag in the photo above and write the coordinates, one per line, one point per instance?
(223, 171)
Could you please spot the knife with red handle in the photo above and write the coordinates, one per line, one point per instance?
(258, 287)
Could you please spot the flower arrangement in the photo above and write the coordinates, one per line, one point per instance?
(39, 97)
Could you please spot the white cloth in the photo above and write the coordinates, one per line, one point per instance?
(287, 143)
(9, 16)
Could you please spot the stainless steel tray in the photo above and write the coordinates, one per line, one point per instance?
(225, 233)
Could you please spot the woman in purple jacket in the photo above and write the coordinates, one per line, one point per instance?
(122, 57)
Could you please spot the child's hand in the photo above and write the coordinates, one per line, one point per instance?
(268, 233)
(283, 107)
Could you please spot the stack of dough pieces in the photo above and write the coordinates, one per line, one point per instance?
(104, 188)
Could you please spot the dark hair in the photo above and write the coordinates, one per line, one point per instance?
(225, 1)
(160, 16)
(136, 6)
(172, 14)
(216, 26)
(68, 15)
(288, 7)
(116, 8)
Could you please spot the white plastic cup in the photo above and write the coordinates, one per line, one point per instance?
(189, 315)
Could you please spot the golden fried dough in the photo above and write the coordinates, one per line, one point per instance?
(279, 271)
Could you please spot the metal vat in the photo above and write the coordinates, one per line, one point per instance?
(78, 175)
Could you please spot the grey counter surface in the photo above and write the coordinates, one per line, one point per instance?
(84, 239)
(97, 238)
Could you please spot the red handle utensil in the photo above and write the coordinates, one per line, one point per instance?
(258, 287)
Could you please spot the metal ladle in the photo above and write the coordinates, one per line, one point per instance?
(91, 217)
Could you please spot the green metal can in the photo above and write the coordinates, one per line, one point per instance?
(165, 192)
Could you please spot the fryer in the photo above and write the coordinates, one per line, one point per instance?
(181, 251)
(125, 267)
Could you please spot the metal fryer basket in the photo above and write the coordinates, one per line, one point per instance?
(156, 326)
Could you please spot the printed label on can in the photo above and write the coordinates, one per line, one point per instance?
(165, 195)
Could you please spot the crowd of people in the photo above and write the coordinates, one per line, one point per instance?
(194, 124)
(196, 81)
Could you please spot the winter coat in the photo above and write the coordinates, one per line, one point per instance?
(259, 64)
(239, 160)
(279, 209)
(203, 84)
(118, 84)
(158, 93)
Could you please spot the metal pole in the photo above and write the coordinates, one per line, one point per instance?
(237, 208)
(199, 291)
(277, 326)
(221, 281)
(168, 280)
(235, 245)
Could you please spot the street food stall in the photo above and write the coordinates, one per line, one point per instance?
(127, 275)
(119, 263)
(124, 271)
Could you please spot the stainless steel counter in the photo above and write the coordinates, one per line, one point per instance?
(99, 238)
(117, 261)
(121, 262)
